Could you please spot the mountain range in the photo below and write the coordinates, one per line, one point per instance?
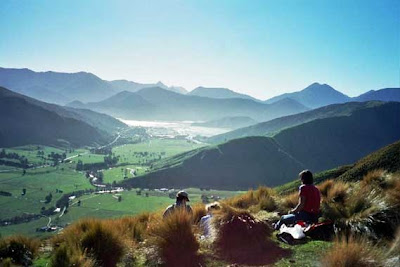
(156, 103)
(227, 122)
(219, 93)
(252, 161)
(62, 88)
(25, 120)
(314, 96)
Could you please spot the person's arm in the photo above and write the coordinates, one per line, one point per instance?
(300, 205)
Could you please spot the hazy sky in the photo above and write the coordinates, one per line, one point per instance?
(262, 48)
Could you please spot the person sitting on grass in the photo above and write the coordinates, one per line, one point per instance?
(205, 221)
(181, 198)
(307, 209)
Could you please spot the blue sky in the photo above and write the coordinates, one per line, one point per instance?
(262, 48)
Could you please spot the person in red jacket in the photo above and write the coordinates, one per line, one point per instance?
(307, 209)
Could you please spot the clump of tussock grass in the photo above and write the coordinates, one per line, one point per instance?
(65, 256)
(289, 201)
(101, 242)
(174, 239)
(199, 210)
(374, 178)
(393, 191)
(244, 240)
(394, 249)
(19, 249)
(261, 199)
(369, 207)
(132, 228)
(352, 251)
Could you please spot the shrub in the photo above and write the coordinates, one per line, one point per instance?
(352, 252)
(20, 249)
(174, 239)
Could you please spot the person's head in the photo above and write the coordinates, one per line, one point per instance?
(182, 197)
(306, 177)
(213, 206)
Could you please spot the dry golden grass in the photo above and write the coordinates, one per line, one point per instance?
(70, 256)
(103, 244)
(174, 239)
(101, 241)
(261, 199)
(131, 228)
(325, 187)
(199, 210)
(338, 192)
(349, 252)
(243, 201)
(393, 192)
(375, 177)
(395, 246)
(289, 201)
(20, 249)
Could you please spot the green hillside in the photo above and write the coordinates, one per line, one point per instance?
(327, 143)
(28, 121)
(386, 158)
(269, 128)
(238, 164)
(248, 162)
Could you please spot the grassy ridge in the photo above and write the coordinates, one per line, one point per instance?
(252, 161)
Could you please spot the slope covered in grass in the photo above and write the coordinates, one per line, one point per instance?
(270, 128)
(248, 162)
(238, 164)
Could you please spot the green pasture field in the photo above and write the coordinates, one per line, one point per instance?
(168, 146)
(38, 183)
(30, 152)
(118, 173)
(87, 157)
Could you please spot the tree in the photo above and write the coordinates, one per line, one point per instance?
(48, 198)
(79, 165)
(23, 191)
(100, 176)
(119, 198)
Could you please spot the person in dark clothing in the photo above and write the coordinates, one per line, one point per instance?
(307, 209)
(181, 198)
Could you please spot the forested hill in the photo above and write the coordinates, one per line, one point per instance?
(25, 120)
(252, 161)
